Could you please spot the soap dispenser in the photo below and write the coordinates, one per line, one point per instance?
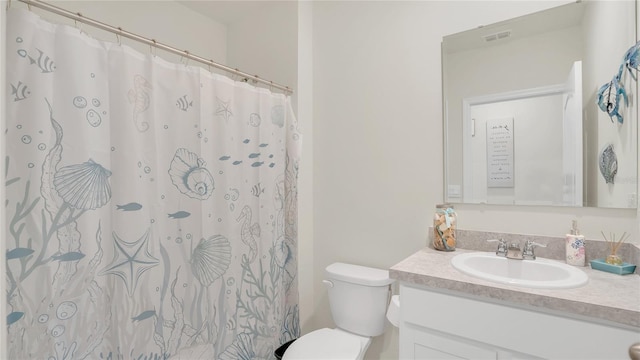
(575, 246)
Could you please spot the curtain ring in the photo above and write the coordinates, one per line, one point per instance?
(242, 78)
(186, 56)
(209, 65)
(153, 48)
(8, 4)
(118, 36)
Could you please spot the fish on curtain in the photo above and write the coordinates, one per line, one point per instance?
(151, 206)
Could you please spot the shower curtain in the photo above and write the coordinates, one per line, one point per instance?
(151, 207)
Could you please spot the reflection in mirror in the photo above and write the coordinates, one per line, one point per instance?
(522, 125)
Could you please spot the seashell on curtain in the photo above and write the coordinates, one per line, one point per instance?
(83, 186)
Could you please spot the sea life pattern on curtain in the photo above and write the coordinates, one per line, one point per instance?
(20, 91)
(189, 175)
(130, 260)
(143, 222)
(140, 97)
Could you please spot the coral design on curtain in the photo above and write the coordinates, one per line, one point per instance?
(151, 207)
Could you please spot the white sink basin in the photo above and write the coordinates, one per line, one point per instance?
(538, 274)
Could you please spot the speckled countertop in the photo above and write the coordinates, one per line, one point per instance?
(606, 296)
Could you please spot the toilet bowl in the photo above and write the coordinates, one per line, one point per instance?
(358, 298)
(328, 344)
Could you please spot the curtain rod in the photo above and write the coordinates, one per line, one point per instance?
(151, 42)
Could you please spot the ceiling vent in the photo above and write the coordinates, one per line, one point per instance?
(497, 36)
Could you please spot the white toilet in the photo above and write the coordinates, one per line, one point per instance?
(358, 297)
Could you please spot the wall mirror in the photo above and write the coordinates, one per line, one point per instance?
(521, 120)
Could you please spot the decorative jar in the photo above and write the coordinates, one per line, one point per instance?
(444, 228)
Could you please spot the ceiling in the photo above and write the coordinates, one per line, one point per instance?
(226, 12)
(545, 21)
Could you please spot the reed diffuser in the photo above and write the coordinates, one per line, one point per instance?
(613, 258)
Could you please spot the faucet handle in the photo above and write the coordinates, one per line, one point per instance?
(497, 240)
(502, 246)
(531, 244)
(527, 251)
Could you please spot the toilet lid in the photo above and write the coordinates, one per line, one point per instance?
(325, 344)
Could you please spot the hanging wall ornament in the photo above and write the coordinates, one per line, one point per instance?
(610, 94)
(632, 60)
(608, 164)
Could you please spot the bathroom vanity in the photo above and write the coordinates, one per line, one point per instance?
(445, 314)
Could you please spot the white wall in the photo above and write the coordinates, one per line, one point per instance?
(265, 43)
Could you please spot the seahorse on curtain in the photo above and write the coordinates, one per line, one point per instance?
(140, 97)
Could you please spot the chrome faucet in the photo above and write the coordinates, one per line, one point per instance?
(513, 251)
(502, 247)
(527, 251)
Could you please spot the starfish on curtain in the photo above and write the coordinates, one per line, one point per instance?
(223, 110)
(130, 260)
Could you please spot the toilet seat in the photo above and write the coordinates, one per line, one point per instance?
(327, 344)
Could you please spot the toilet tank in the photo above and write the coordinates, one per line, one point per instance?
(358, 297)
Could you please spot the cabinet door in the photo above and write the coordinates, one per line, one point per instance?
(518, 333)
(425, 352)
(430, 345)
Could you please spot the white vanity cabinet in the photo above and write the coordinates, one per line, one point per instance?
(446, 324)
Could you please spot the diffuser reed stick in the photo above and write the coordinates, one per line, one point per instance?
(614, 245)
